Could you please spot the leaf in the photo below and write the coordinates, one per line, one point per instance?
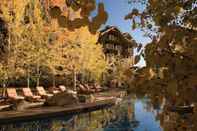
(55, 12)
(63, 21)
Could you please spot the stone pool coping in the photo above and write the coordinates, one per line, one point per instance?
(7, 117)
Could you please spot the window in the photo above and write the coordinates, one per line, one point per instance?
(109, 46)
(112, 37)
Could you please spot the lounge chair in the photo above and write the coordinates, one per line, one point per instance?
(97, 87)
(42, 92)
(54, 90)
(2, 98)
(84, 90)
(81, 89)
(71, 91)
(62, 88)
(89, 88)
(29, 95)
(12, 94)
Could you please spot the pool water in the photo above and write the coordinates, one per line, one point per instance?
(131, 115)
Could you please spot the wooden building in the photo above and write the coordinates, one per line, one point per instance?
(115, 43)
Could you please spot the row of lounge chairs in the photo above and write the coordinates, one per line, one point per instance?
(41, 93)
(88, 89)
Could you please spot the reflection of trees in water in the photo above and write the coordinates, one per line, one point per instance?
(41, 125)
(179, 122)
(163, 101)
(45, 125)
(124, 117)
(120, 116)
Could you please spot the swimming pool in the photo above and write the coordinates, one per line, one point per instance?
(131, 114)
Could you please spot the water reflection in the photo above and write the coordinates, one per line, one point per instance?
(131, 115)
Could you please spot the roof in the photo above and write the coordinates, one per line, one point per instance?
(125, 37)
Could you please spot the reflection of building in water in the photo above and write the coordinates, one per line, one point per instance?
(123, 117)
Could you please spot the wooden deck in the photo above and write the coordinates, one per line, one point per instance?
(48, 112)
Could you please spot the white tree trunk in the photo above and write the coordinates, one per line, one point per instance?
(28, 78)
(38, 75)
(54, 82)
(74, 79)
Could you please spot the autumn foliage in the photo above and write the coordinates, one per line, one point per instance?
(37, 43)
(171, 56)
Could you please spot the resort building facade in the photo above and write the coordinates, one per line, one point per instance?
(116, 44)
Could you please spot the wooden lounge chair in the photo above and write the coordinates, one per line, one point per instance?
(84, 90)
(54, 90)
(71, 91)
(42, 92)
(89, 88)
(81, 89)
(2, 98)
(12, 94)
(62, 88)
(29, 95)
(97, 87)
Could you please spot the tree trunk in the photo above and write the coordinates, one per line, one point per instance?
(8, 63)
(54, 84)
(74, 79)
(38, 81)
(4, 88)
(38, 76)
(28, 78)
